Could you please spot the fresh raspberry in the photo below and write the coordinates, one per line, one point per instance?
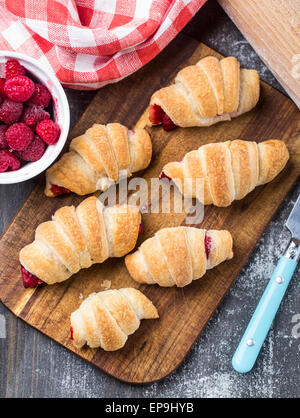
(164, 176)
(58, 190)
(208, 244)
(33, 114)
(30, 280)
(156, 114)
(34, 151)
(19, 136)
(3, 165)
(13, 68)
(167, 123)
(2, 82)
(48, 131)
(8, 161)
(10, 111)
(41, 96)
(3, 142)
(19, 88)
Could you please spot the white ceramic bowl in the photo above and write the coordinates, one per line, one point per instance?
(61, 116)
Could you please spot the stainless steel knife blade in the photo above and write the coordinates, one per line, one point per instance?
(293, 221)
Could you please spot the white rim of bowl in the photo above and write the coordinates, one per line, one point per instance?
(35, 169)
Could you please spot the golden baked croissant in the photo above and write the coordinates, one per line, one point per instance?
(177, 256)
(78, 238)
(206, 93)
(230, 170)
(105, 319)
(99, 158)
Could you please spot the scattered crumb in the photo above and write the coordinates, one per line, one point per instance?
(106, 284)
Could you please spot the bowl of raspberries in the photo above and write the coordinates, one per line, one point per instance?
(34, 117)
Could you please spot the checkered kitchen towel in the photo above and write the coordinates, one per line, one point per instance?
(90, 43)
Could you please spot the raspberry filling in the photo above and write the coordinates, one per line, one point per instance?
(58, 190)
(157, 116)
(208, 244)
(167, 123)
(164, 176)
(71, 331)
(141, 228)
(30, 280)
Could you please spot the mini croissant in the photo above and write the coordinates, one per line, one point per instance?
(99, 158)
(78, 238)
(230, 170)
(105, 319)
(206, 93)
(177, 256)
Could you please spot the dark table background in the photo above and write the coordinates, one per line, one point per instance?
(31, 365)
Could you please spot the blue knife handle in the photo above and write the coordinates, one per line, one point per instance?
(260, 323)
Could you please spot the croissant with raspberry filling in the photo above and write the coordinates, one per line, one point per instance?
(102, 156)
(78, 237)
(105, 319)
(229, 170)
(177, 256)
(206, 93)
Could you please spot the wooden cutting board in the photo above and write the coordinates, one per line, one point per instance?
(159, 346)
(273, 29)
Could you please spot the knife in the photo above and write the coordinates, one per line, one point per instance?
(261, 321)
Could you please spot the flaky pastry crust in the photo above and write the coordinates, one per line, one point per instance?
(228, 170)
(78, 237)
(105, 319)
(177, 256)
(209, 92)
(102, 156)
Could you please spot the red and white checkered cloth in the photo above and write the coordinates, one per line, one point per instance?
(90, 43)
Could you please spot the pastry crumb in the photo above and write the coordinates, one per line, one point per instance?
(80, 296)
(106, 284)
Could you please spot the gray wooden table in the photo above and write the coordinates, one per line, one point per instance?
(33, 366)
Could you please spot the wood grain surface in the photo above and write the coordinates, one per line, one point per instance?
(273, 29)
(159, 346)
